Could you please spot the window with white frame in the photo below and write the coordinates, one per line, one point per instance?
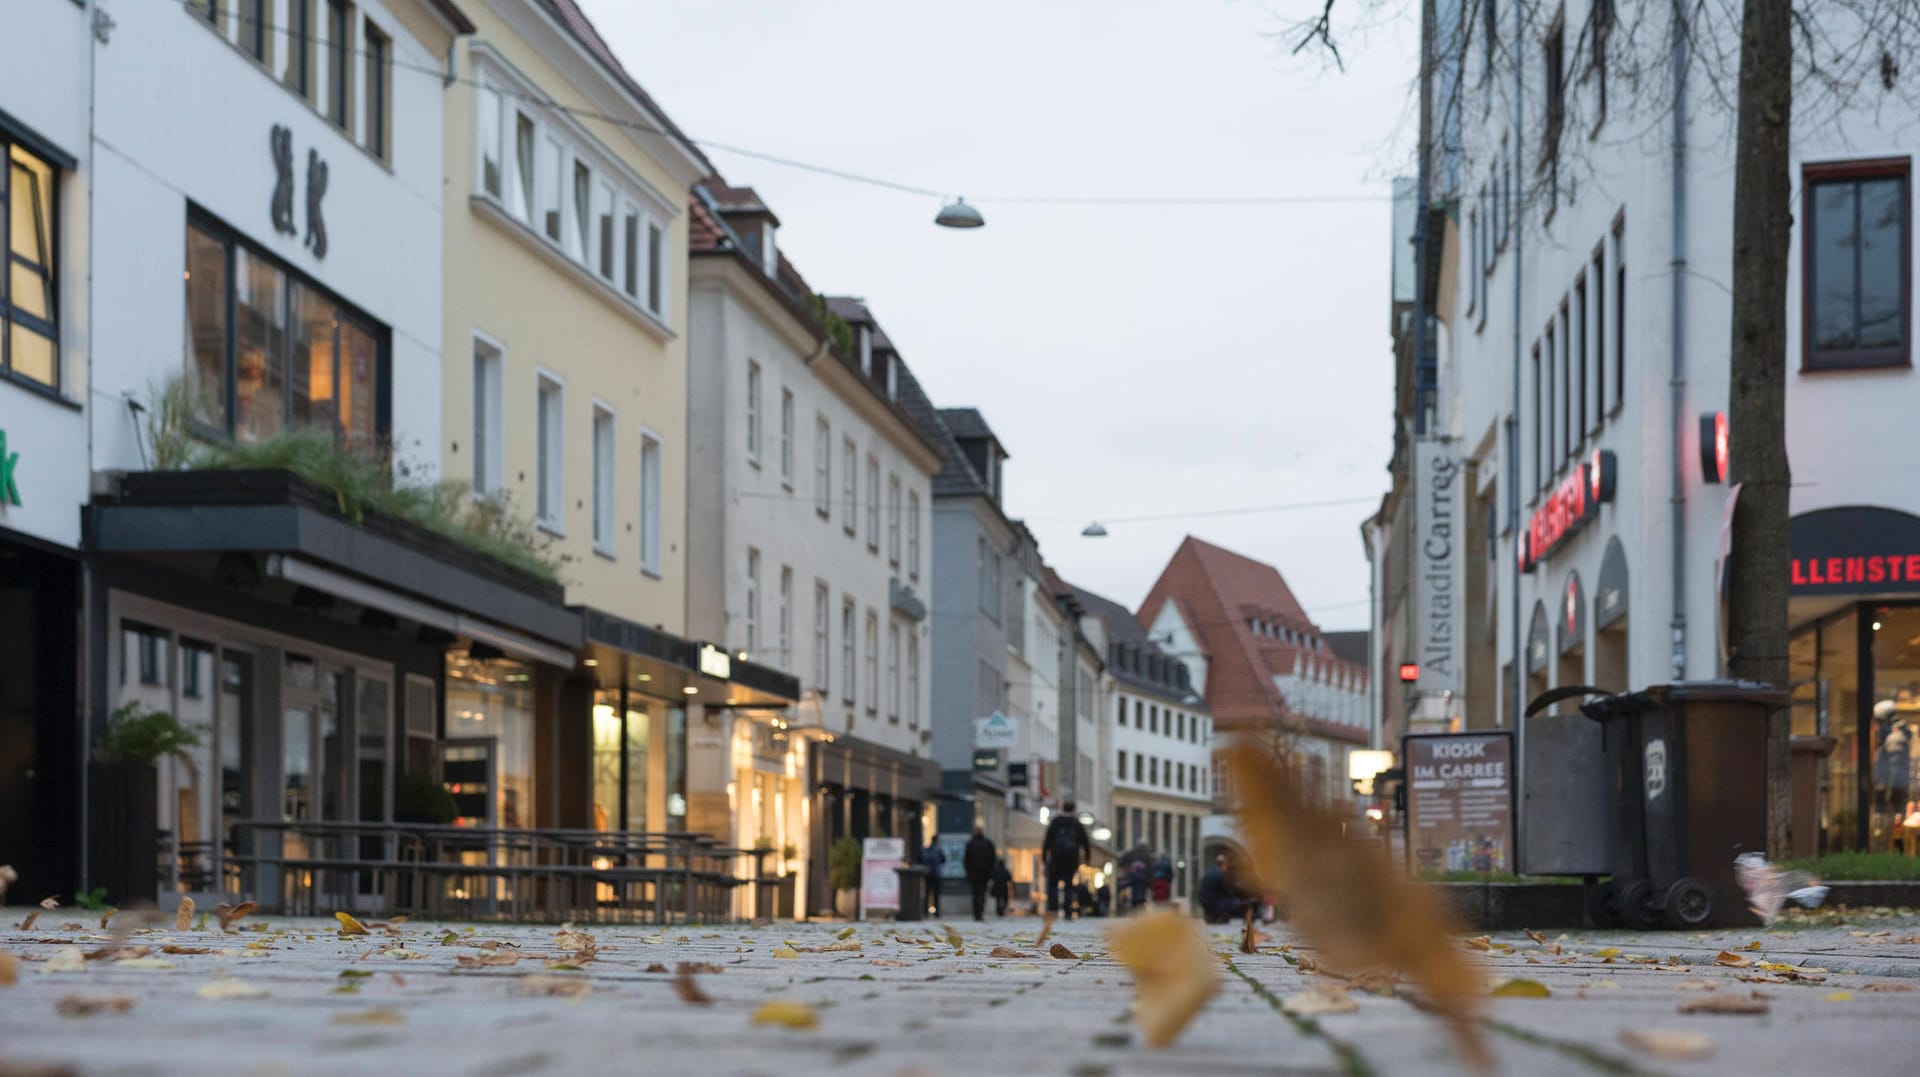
(753, 601)
(603, 468)
(873, 503)
(913, 535)
(823, 468)
(849, 480)
(488, 445)
(873, 662)
(786, 437)
(753, 412)
(847, 644)
(893, 672)
(544, 171)
(822, 656)
(784, 641)
(893, 520)
(913, 677)
(550, 468)
(650, 504)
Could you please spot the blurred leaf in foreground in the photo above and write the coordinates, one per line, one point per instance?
(1174, 972)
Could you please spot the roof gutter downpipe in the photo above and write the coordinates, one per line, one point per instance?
(1677, 383)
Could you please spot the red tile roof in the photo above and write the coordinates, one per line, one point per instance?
(703, 232)
(1214, 589)
(583, 30)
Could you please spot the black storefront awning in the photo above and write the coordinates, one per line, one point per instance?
(663, 664)
(854, 763)
(275, 534)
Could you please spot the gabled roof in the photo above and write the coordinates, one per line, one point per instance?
(583, 31)
(1216, 588)
(1130, 643)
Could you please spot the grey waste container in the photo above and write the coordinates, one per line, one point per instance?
(913, 893)
(1688, 764)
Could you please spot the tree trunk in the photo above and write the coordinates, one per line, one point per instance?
(1757, 561)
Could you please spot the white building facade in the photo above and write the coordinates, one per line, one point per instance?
(1583, 293)
(810, 491)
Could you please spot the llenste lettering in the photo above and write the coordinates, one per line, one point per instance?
(1876, 568)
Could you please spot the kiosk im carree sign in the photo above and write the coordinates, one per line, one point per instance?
(1459, 802)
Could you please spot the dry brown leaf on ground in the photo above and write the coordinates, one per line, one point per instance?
(1479, 942)
(700, 968)
(1732, 960)
(1668, 1044)
(88, 1005)
(1373, 981)
(232, 914)
(689, 991)
(553, 986)
(655, 967)
(27, 924)
(1349, 902)
(105, 916)
(840, 948)
(9, 969)
(1320, 1000)
(1886, 986)
(183, 916)
(49, 903)
(786, 1014)
(888, 962)
(175, 948)
(1002, 951)
(1727, 1004)
(1046, 930)
(1535, 936)
(1060, 951)
(1699, 985)
(570, 940)
(1174, 973)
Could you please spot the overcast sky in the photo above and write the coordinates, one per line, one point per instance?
(1134, 360)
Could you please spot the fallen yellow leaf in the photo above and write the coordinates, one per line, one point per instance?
(348, 925)
(1732, 960)
(1522, 989)
(786, 1014)
(1609, 951)
(785, 951)
(1840, 996)
(1174, 973)
(1673, 1045)
(370, 1017)
(845, 933)
(1754, 945)
(1479, 942)
(1320, 1000)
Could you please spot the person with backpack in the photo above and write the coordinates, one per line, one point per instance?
(1065, 848)
(1162, 879)
(979, 861)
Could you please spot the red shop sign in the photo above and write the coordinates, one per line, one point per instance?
(1571, 506)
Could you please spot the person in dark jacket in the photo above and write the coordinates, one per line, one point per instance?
(1136, 884)
(979, 860)
(1220, 900)
(1001, 887)
(933, 858)
(1063, 849)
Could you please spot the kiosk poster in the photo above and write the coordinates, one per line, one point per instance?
(879, 883)
(1459, 802)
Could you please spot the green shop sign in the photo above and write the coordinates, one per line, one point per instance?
(9, 491)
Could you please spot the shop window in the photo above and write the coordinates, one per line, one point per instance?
(289, 356)
(1893, 737)
(620, 750)
(1855, 265)
(491, 700)
(29, 301)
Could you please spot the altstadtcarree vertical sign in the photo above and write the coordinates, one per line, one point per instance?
(1439, 488)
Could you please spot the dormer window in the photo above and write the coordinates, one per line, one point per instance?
(866, 351)
(769, 250)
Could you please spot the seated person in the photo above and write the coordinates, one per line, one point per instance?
(1220, 900)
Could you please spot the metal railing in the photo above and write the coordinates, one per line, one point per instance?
(495, 873)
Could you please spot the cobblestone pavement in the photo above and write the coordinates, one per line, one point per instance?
(295, 996)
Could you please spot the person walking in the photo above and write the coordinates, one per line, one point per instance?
(1162, 885)
(1136, 884)
(980, 859)
(933, 858)
(1064, 848)
(1001, 887)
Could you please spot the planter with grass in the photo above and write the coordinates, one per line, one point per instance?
(124, 802)
(843, 874)
(1858, 880)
